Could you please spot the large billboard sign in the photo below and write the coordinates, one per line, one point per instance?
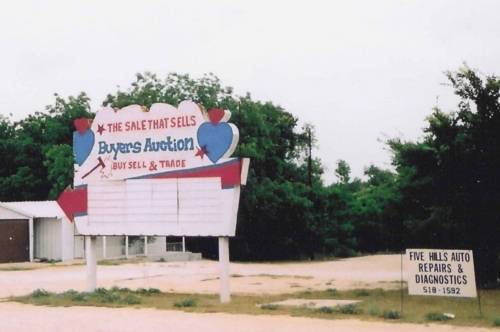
(160, 171)
(439, 272)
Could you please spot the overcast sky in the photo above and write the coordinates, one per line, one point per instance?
(359, 71)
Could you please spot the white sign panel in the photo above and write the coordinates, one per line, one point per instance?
(159, 171)
(439, 272)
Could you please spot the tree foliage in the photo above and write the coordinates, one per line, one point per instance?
(343, 171)
(297, 216)
(33, 145)
(450, 179)
(296, 219)
(442, 193)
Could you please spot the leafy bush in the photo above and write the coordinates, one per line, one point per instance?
(326, 310)
(391, 314)
(74, 295)
(374, 311)
(148, 291)
(80, 297)
(361, 292)
(118, 289)
(116, 295)
(108, 297)
(332, 291)
(101, 291)
(436, 317)
(37, 293)
(131, 299)
(186, 303)
(350, 309)
(70, 292)
(269, 306)
(496, 321)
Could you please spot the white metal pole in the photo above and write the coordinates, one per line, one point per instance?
(225, 293)
(31, 239)
(90, 257)
(145, 246)
(183, 244)
(126, 246)
(104, 249)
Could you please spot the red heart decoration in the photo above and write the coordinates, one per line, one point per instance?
(215, 115)
(82, 125)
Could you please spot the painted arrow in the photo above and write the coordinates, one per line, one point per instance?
(73, 201)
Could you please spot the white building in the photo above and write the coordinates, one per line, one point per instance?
(40, 230)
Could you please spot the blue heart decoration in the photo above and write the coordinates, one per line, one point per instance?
(215, 138)
(82, 145)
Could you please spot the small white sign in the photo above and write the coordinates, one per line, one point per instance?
(439, 272)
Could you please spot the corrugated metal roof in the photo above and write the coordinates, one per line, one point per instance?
(36, 209)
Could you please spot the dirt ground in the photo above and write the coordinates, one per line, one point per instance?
(200, 277)
(20, 318)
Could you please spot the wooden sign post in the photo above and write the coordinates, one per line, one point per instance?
(91, 262)
(225, 293)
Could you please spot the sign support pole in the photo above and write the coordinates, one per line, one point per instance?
(225, 294)
(401, 284)
(91, 260)
(478, 292)
(31, 239)
(479, 302)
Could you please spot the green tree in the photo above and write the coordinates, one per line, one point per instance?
(343, 171)
(450, 184)
(59, 164)
(27, 149)
(284, 212)
(277, 217)
(375, 213)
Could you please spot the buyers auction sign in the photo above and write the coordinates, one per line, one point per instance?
(136, 142)
(440, 272)
(160, 171)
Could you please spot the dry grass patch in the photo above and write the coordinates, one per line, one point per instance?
(378, 304)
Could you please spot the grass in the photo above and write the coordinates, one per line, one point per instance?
(361, 292)
(27, 266)
(326, 310)
(185, 303)
(269, 306)
(38, 293)
(373, 311)
(377, 305)
(333, 291)
(436, 317)
(350, 309)
(391, 314)
(17, 268)
(45, 263)
(121, 261)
